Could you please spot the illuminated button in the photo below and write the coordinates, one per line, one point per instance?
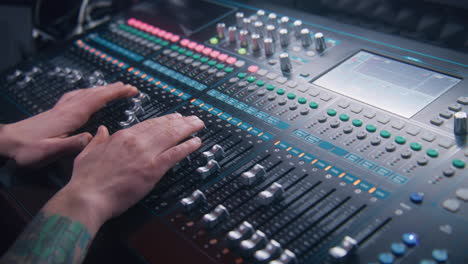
(386, 258)
(458, 163)
(357, 122)
(410, 239)
(313, 105)
(415, 146)
(302, 100)
(385, 134)
(270, 87)
(432, 153)
(440, 255)
(331, 112)
(204, 59)
(371, 128)
(220, 66)
(242, 51)
(398, 249)
(182, 50)
(417, 197)
(189, 53)
(214, 41)
(251, 79)
(400, 140)
(242, 75)
(280, 91)
(260, 82)
(291, 96)
(196, 56)
(212, 63)
(252, 68)
(344, 117)
(228, 69)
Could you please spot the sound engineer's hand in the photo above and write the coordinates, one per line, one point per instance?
(44, 137)
(114, 172)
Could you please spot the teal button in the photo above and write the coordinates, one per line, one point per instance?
(251, 79)
(260, 83)
(458, 163)
(212, 63)
(385, 134)
(228, 69)
(440, 255)
(331, 112)
(432, 153)
(302, 100)
(344, 117)
(291, 96)
(241, 75)
(313, 105)
(204, 59)
(371, 128)
(189, 53)
(196, 56)
(219, 66)
(357, 122)
(400, 140)
(415, 146)
(270, 87)
(280, 91)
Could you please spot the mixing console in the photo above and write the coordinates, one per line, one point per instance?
(324, 143)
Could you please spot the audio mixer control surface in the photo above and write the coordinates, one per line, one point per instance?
(324, 143)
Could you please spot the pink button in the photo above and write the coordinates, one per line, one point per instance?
(199, 48)
(184, 42)
(162, 33)
(192, 45)
(222, 57)
(207, 51)
(252, 68)
(137, 23)
(175, 38)
(232, 60)
(214, 54)
(155, 31)
(168, 35)
(131, 21)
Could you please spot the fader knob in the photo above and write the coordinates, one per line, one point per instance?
(217, 215)
(131, 120)
(268, 46)
(255, 42)
(253, 175)
(297, 28)
(305, 38)
(273, 19)
(193, 200)
(232, 34)
(242, 232)
(460, 126)
(211, 167)
(215, 153)
(220, 28)
(271, 194)
(320, 44)
(240, 19)
(255, 242)
(244, 38)
(285, 62)
(284, 37)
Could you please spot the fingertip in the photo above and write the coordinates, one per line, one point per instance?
(196, 141)
(85, 139)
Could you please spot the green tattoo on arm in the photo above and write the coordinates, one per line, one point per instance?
(51, 239)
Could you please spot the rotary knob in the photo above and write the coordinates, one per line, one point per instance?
(273, 19)
(268, 46)
(255, 42)
(320, 44)
(232, 34)
(284, 37)
(220, 28)
(240, 19)
(305, 38)
(297, 28)
(244, 38)
(460, 126)
(285, 62)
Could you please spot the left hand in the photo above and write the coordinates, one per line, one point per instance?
(42, 138)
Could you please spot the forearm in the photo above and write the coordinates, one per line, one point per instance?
(60, 233)
(7, 143)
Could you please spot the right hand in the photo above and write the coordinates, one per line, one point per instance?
(115, 172)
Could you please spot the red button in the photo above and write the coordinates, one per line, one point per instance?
(231, 60)
(184, 42)
(168, 35)
(131, 21)
(192, 45)
(222, 57)
(175, 38)
(253, 68)
(162, 33)
(199, 48)
(206, 51)
(214, 54)
(155, 31)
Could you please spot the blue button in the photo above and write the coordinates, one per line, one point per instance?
(273, 120)
(308, 158)
(266, 136)
(326, 145)
(283, 145)
(215, 111)
(241, 106)
(352, 157)
(312, 139)
(398, 249)
(383, 171)
(365, 186)
(350, 178)
(335, 171)
(417, 197)
(427, 261)
(255, 131)
(410, 239)
(296, 151)
(245, 126)
(440, 255)
(339, 151)
(300, 133)
(386, 258)
(321, 164)
(379, 193)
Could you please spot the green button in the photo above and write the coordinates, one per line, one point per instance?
(212, 63)
(219, 66)
(280, 91)
(458, 163)
(270, 87)
(415, 146)
(432, 153)
(204, 59)
(196, 56)
(331, 112)
(302, 100)
(158, 40)
(242, 75)
(214, 41)
(242, 51)
(164, 43)
(251, 79)
(385, 134)
(182, 50)
(174, 47)
(357, 122)
(344, 117)
(291, 96)
(189, 53)
(260, 83)
(371, 128)
(228, 69)
(313, 105)
(400, 140)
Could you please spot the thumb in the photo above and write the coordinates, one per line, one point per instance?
(57, 146)
(101, 135)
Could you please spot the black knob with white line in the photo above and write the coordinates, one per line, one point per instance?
(273, 193)
(209, 169)
(285, 62)
(320, 43)
(195, 199)
(460, 124)
(253, 175)
(215, 217)
(243, 231)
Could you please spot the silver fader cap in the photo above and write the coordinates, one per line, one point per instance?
(261, 15)
(255, 42)
(273, 19)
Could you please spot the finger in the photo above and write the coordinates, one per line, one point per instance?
(55, 147)
(173, 131)
(170, 157)
(154, 122)
(99, 96)
(101, 136)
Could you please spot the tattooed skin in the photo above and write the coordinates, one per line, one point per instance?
(50, 239)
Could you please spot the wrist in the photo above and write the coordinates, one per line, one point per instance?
(8, 143)
(73, 203)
